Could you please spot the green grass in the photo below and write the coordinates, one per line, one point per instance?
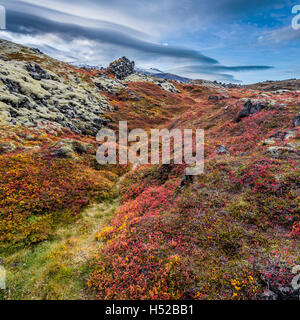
(58, 269)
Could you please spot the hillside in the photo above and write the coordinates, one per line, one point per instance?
(288, 85)
(73, 229)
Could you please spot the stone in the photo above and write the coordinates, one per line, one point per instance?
(290, 135)
(269, 295)
(68, 149)
(250, 108)
(276, 152)
(168, 86)
(277, 277)
(269, 142)
(185, 181)
(109, 85)
(15, 264)
(213, 98)
(3, 58)
(32, 149)
(64, 152)
(296, 121)
(12, 86)
(7, 148)
(37, 73)
(295, 145)
(279, 135)
(122, 68)
(36, 50)
(80, 147)
(164, 84)
(222, 150)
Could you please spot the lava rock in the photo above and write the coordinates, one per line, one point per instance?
(279, 135)
(278, 280)
(213, 98)
(250, 108)
(277, 152)
(7, 148)
(69, 149)
(15, 264)
(185, 181)
(4, 58)
(36, 50)
(269, 295)
(222, 150)
(13, 86)
(164, 84)
(122, 68)
(269, 142)
(37, 73)
(290, 135)
(64, 152)
(296, 120)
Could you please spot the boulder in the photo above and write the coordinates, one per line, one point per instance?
(279, 135)
(7, 148)
(168, 86)
(109, 85)
(122, 68)
(68, 149)
(12, 86)
(164, 84)
(36, 50)
(37, 73)
(63, 151)
(213, 98)
(269, 295)
(269, 142)
(290, 135)
(295, 144)
(278, 278)
(222, 150)
(4, 58)
(296, 120)
(251, 107)
(277, 152)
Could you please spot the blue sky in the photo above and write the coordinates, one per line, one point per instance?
(238, 41)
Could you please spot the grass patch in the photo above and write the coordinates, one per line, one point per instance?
(58, 269)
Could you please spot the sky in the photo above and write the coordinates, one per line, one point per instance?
(238, 41)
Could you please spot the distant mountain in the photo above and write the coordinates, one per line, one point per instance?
(86, 66)
(289, 84)
(163, 75)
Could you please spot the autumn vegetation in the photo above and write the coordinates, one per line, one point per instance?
(72, 229)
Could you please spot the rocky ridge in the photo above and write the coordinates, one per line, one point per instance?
(34, 95)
